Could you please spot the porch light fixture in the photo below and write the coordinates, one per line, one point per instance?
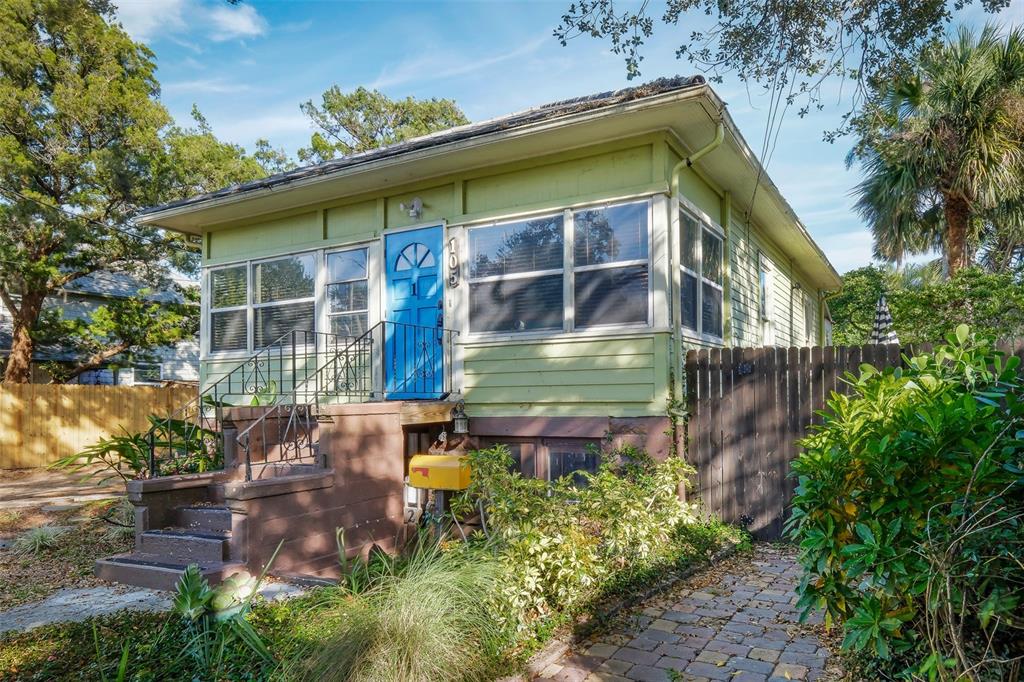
(460, 421)
(414, 208)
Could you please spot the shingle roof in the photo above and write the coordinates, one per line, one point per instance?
(508, 122)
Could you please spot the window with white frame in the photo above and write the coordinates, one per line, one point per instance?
(702, 276)
(347, 292)
(283, 297)
(252, 305)
(611, 265)
(229, 308)
(515, 275)
(519, 279)
(764, 280)
(764, 299)
(810, 312)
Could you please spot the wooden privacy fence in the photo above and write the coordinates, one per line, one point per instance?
(749, 406)
(40, 423)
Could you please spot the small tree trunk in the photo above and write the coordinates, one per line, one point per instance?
(958, 220)
(19, 363)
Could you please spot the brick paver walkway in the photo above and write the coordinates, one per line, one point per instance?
(737, 621)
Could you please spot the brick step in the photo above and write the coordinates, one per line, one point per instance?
(157, 572)
(205, 518)
(185, 545)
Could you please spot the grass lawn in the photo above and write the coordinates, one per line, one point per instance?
(27, 578)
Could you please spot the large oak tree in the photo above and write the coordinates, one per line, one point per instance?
(84, 144)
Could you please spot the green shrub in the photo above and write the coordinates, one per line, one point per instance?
(124, 456)
(908, 513)
(182, 448)
(37, 540)
(560, 545)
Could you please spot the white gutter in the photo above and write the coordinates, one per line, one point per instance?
(673, 239)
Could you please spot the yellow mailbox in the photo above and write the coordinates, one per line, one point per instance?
(439, 472)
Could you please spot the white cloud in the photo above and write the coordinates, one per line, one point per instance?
(236, 21)
(846, 250)
(438, 65)
(210, 85)
(144, 19)
(150, 20)
(285, 125)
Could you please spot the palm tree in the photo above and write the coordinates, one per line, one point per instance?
(942, 148)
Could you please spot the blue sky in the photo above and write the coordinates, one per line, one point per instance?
(248, 67)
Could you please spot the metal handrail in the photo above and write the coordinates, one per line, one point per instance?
(369, 372)
(192, 438)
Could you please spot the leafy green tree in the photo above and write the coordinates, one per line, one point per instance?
(124, 326)
(352, 122)
(791, 48)
(84, 143)
(924, 305)
(941, 149)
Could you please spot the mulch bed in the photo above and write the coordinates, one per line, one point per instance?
(29, 578)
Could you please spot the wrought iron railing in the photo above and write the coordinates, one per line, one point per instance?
(392, 360)
(191, 439)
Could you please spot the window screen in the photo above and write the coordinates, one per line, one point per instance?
(611, 268)
(516, 276)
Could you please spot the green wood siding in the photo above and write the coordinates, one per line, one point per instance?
(268, 238)
(625, 374)
(606, 172)
(620, 377)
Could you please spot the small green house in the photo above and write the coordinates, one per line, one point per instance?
(576, 249)
(541, 273)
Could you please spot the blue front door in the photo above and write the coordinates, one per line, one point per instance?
(413, 351)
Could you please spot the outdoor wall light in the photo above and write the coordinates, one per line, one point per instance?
(414, 208)
(460, 421)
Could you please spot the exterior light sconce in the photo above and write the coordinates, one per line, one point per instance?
(414, 208)
(460, 421)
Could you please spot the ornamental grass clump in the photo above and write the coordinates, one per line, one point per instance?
(909, 513)
(38, 540)
(424, 620)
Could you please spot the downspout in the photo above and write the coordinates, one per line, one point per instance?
(674, 239)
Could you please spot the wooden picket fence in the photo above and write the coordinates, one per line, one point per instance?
(749, 406)
(40, 423)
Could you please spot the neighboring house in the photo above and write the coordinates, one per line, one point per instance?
(178, 363)
(578, 249)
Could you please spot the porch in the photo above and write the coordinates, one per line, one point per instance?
(309, 435)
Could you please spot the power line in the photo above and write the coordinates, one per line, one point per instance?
(92, 221)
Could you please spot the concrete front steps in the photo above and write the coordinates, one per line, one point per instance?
(156, 572)
(200, 534)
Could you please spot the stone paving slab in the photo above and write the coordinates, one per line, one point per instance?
(79, 604)
(736, 622)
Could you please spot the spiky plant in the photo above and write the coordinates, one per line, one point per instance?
(37, 540)
(426, 620)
